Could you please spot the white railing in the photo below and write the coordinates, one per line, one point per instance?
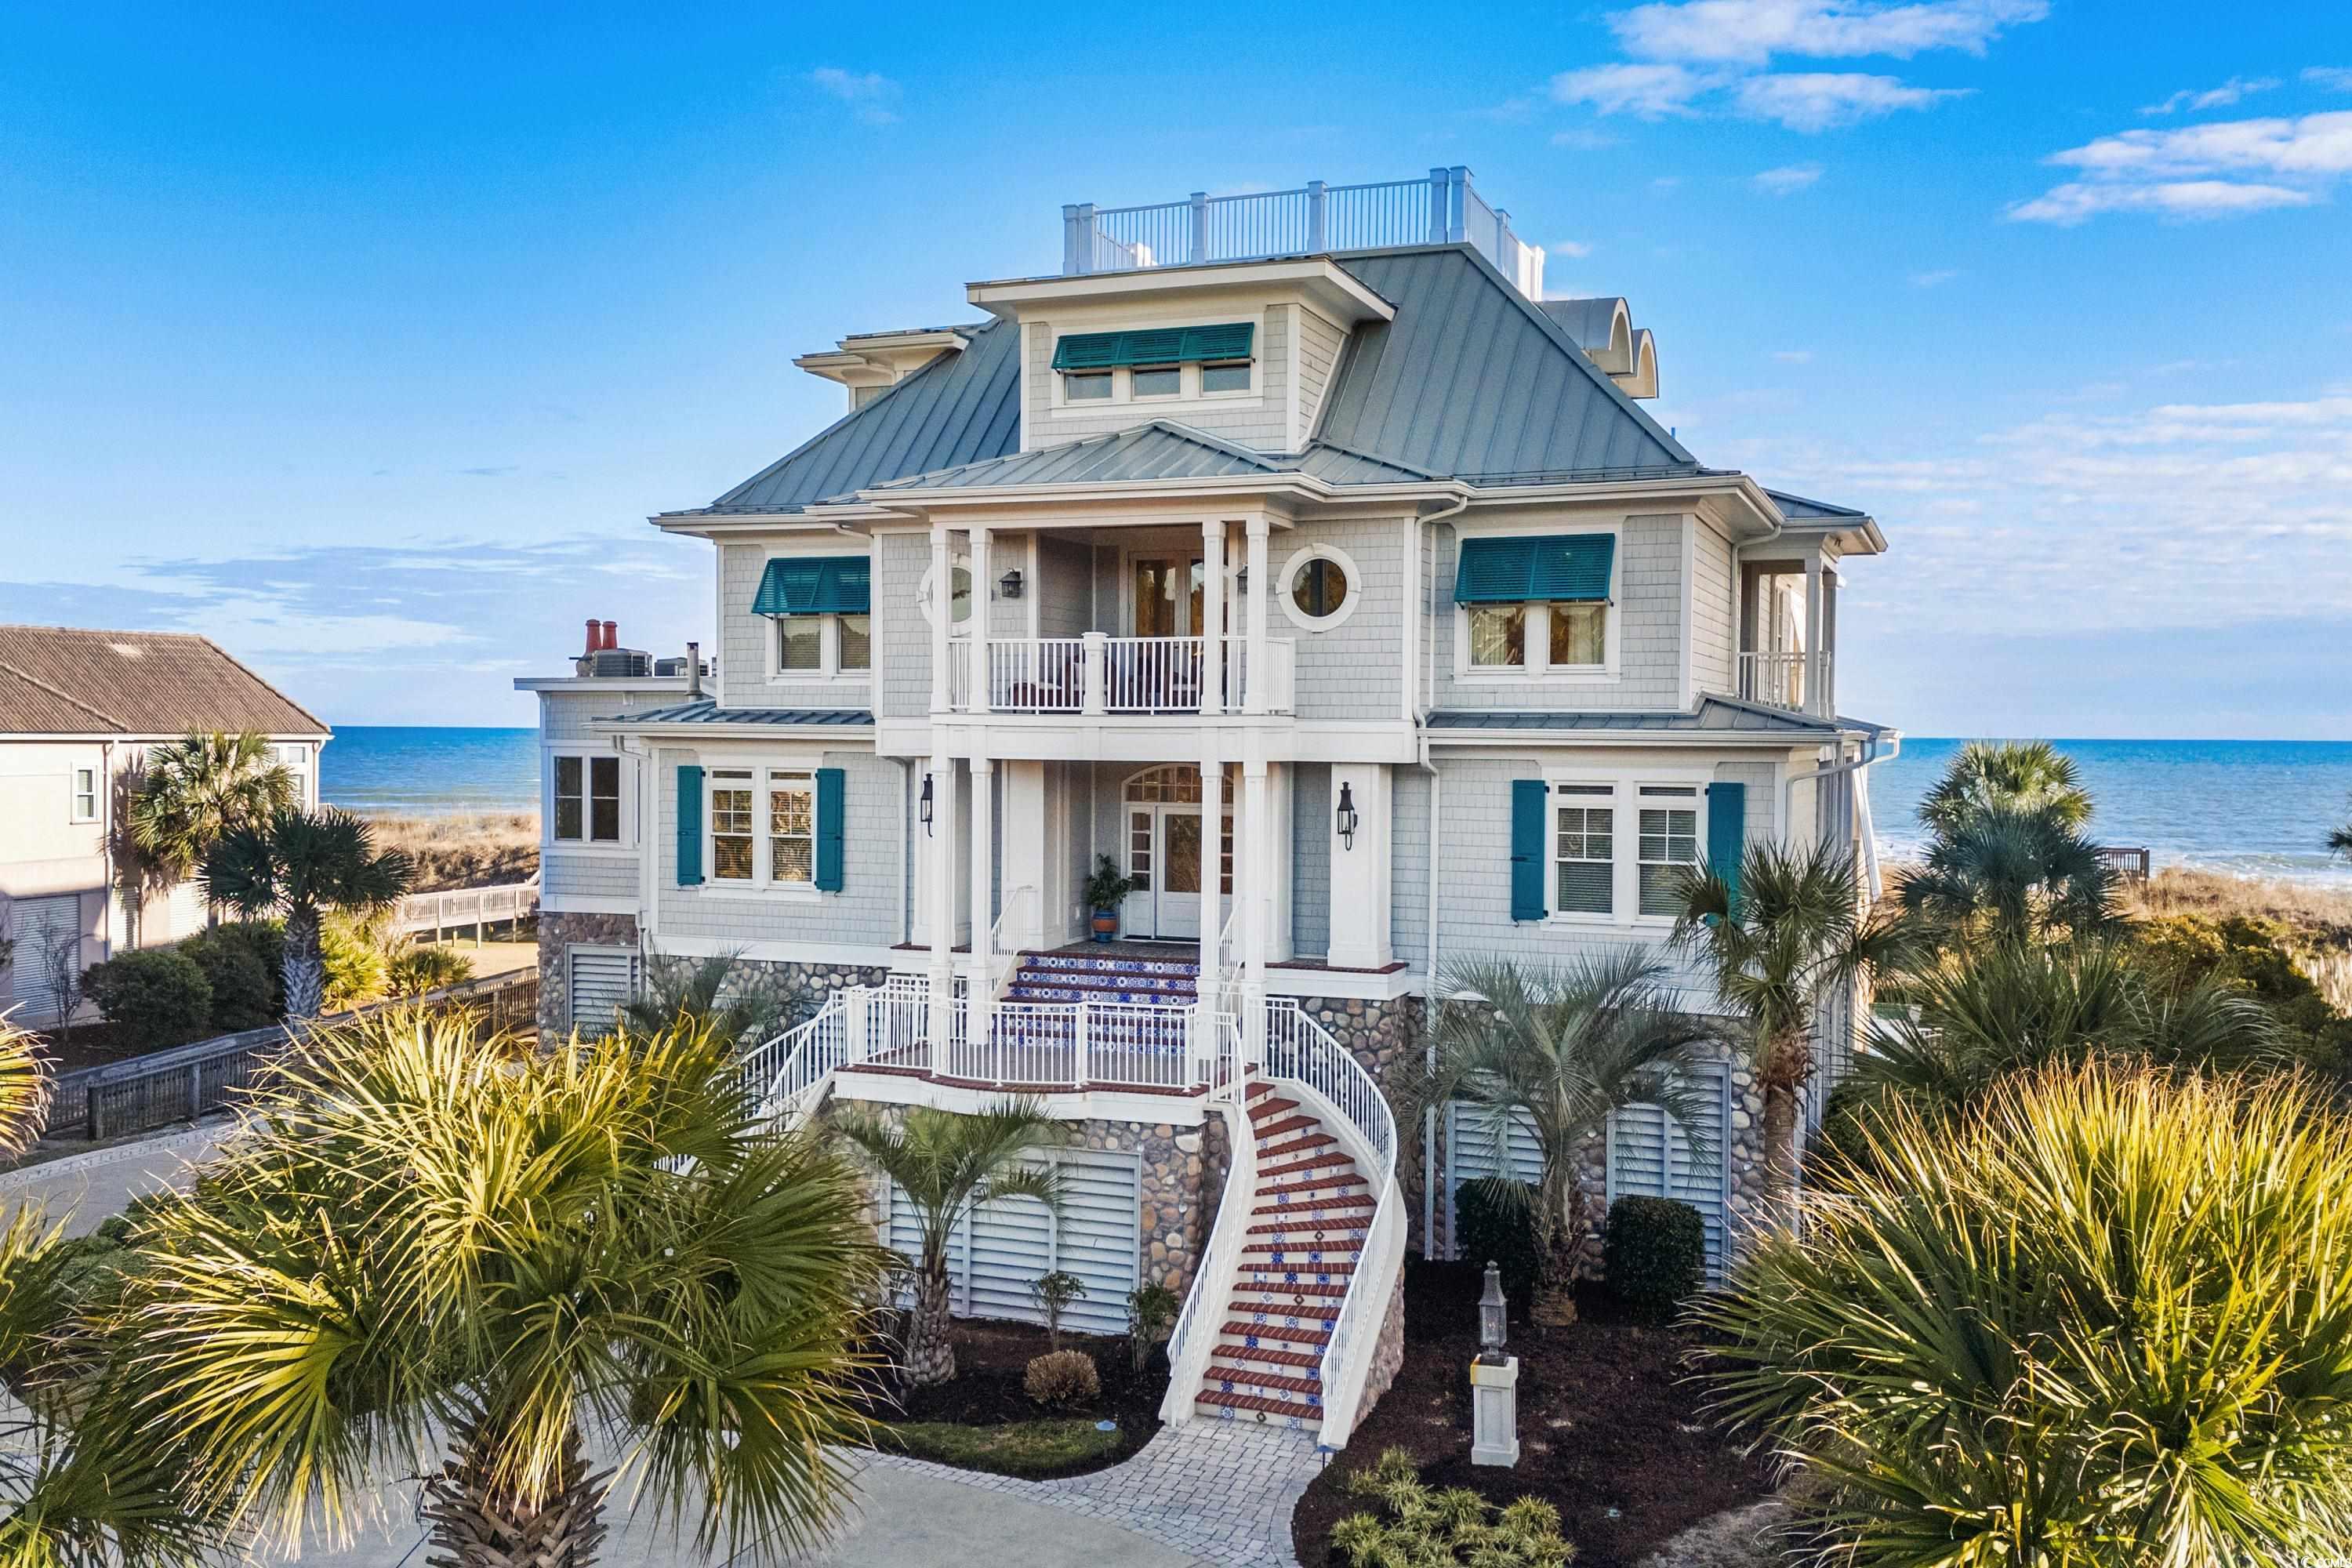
(1281, 674)
(789, 1072)
(1777, 679)
(1096, 673)
(1135, 1043)
(1017, 918)
(1302, 1051)
(1151, 674)
(1438, 208)
(1037, 675)
(1201, 1320)
(475, 907)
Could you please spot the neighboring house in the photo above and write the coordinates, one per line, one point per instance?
(1335, 586)
(79, 712)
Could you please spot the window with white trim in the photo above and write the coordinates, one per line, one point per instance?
(296, 761)
(734, 840)
(792, 829)
(1584, 849)
(762, 827)
(1570, 636)
(1668, 845)
(825, 645)
(84, 795)
(1529, 605)
(587, 799)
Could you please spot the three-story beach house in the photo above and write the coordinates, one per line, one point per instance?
(1292, 552)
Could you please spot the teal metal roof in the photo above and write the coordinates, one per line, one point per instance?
(1160, 450)
(1798, 509)
(815, 585)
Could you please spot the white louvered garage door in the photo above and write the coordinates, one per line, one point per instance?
(1470, 1153)
(601, 980)
(42, 929)
(1650, 1155)
(997, 1253)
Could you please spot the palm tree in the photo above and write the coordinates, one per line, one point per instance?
(303, 864)
(193, 792)
(949, 1165)
(1794, 933)
(428, 1238)
(2006, 775)
(2010, 874)
(738, 1001)
(1558, 1050)
(77, 1485)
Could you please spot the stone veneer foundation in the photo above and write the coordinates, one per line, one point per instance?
(558, 933)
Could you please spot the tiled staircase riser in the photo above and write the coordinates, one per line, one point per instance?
(1083, 977)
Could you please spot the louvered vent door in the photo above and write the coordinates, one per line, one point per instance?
(604, 979)
(1648, 1155)
(995, 1255)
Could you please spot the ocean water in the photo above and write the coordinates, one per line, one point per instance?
(2253, 807)
(410, 771)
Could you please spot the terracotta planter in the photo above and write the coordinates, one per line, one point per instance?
(1106, 925)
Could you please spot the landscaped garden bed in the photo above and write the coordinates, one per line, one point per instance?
(984, 1418)
(1610, 1432)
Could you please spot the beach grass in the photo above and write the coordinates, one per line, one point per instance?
(2319, 915)
(481, 851)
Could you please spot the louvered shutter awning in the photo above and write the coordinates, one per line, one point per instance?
(1558, 567)
(815, 585)
(1156, 345)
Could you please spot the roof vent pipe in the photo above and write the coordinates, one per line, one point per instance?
(693, 672)
(593, 643)
(612, 634)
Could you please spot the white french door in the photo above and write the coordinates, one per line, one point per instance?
(1167, 856)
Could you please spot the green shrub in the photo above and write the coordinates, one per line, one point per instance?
(1654, 1251)
(245, 963)
(156, 996)
(2258, 958)
(351, 951)
(1422, 1528)
(1494, 1222)
(419, 968)
(2100, 1321)
(1151, 1311)
(1062, 1377)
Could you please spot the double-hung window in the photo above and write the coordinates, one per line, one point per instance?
(84, 808)
(822, 608)
(1620, 848)
(1668, 845)
(791, 830)
(587, 800)
(1535, 603)
(1585, 855)
(734, 830)
(763, 827)
(1145, 364)
(296, 761)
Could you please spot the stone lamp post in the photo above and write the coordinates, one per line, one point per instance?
(1494, 1381)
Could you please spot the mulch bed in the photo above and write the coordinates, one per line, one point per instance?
(986, 1391)
(1605, 1422)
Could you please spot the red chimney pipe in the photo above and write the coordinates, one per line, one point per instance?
(612, 634)
(591, 644)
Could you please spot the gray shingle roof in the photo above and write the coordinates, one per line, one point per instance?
(959, 408)
(708, 713)
(1715, 714)
(78, 681)
(1473, 380)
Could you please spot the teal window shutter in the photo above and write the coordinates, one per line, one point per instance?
(1727, 834)
(815, 585)
(1558, 567)
(1530, 801)
(1156, 345)
(828, 830)
(689, 825)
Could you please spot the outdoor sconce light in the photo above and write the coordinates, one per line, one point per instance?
(1009, 586)
(923, 807)
(1347, 818)
(1494, 1316)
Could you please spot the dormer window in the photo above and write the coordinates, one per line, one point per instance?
(1158, 363)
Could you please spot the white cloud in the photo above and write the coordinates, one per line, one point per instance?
(870, 94)
(1794, 356)
(2337, 78)
(2222, 169)
(1933, 278)
(1787, 180)
(1817, 100)
(1651, 91)
(1578, 249)
(1752, 31)
(2221, 96)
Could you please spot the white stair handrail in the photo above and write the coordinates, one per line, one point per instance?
(1194, 1339)
(1018, 913)
(793, 1069)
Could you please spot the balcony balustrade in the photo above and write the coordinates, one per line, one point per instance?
(1096, 673)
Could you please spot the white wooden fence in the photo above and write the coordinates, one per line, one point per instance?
(464, 908)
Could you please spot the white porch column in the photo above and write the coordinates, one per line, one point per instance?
(1035, 857)
(1260, 589)
(1814, 635)
(1254, 851)
(1212, 617)
(942, 616)
(1360, 890)
(984, 879)
(1212, 898)
(981, 589)
(1831, 586)
(941, 857)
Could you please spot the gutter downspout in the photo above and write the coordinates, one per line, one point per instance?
(906, 862)
(1869, 756)
(1437, 820)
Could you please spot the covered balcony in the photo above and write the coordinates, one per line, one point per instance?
(1096, 673)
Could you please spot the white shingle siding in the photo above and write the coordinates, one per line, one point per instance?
(1409, 863)
(1310, 859)
(745, 641)
(902, 634)
(1319, 342)
(1064, 587)
(562, 876)
(1262, 422)
(865, 912)
(1711, 630)
(1354, 670)
(563, 716)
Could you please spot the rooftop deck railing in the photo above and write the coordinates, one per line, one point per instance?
(1443, 207)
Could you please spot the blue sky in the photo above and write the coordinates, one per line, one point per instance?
(366, 345)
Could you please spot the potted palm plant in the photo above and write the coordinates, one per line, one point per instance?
(1106, 890)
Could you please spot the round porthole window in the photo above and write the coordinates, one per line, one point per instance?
(1319, 588)
(960, 593)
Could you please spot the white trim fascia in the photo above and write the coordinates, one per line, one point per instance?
(126, 738)
(1318, 275)
(1739, 739)
(585, 904)
(1345, 984)
(599, 683)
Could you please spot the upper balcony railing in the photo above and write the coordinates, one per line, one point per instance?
(1440, 208)
(1101, 674)
(1779, 679)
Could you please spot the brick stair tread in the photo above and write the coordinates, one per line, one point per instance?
(1324, 1313)
(1289, 1334)
(1253, 1403)
(1331, 1159)
(1283, 1292)
(1301, 1219)
(1312, 1184)
(1257, 1377)
(1263, 1111)
(1296, 1146)
(1265, 1355)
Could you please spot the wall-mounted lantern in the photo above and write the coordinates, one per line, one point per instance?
(1346, 819)
(923, 807)
(1009, 586)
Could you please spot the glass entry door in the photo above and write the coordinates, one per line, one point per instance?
(1167, 855)
(1168, 595)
